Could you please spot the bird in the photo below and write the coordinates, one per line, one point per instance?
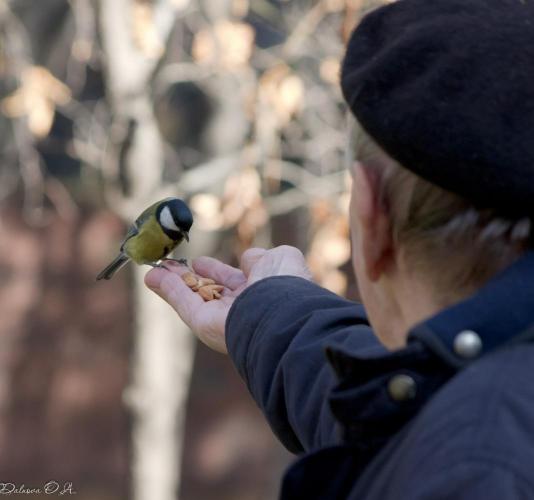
(153, 235)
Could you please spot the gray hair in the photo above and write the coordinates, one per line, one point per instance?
(456, 245)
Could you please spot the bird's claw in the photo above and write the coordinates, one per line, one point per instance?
(161, 263)
(154, 264)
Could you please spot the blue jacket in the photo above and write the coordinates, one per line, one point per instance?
(451, 416)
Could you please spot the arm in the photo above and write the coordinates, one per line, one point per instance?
(276, 333)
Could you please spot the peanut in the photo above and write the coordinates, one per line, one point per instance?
(205, 287)
(211, 291)
(190, 279)
(206, 293)
(205, 281)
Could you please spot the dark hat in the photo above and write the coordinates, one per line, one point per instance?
(446, 87)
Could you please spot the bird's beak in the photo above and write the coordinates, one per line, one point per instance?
(186, 236)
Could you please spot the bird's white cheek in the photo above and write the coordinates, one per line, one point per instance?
(166, 220)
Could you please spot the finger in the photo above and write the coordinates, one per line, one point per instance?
(153, 281)
(250, 257)
(175, 267)
(222, 273)
(153, 278)
(171, 287)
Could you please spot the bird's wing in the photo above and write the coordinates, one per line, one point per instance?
(132, 231)
(151, 210)
(134, 228)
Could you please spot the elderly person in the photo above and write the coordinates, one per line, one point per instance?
(425, 392)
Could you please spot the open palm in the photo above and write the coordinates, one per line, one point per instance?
(207, 319)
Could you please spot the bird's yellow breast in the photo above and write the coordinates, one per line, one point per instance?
(150, 244)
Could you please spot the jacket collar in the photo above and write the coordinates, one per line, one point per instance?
(500, 313)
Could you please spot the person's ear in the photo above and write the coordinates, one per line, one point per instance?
(376, 242)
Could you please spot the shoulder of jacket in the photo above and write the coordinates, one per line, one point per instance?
(487, 408)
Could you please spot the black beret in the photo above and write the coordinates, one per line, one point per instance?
(446, 87)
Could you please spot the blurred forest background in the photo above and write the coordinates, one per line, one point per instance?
(106, 106)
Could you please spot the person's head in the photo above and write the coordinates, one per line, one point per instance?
(443, 189)
(418, 248)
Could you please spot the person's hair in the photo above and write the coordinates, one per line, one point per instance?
(456, 245)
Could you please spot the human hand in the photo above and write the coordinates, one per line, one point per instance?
(207, 319)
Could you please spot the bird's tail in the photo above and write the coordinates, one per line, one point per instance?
(110, 270)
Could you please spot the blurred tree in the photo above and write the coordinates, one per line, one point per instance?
(233, 105)
(134, 35)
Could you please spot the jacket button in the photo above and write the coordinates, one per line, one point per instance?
(402, 388)
(467, 344)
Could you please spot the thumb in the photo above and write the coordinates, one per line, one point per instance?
(249, 259)
(153, 278)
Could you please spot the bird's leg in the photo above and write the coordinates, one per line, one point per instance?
(161, 263)
(156, 264)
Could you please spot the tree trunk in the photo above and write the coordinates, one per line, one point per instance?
(164, 347)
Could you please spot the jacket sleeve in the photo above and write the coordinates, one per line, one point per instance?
(276, 333)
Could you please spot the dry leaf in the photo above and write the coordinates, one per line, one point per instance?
(331, 242)
(82, 50)
(330, 70)
(330, 247)
(242, 192)
(36, 98)
(335, 281)
(334, 5)
(207, 210)
(180, 4)
(290, 94)
(228, 45)
(281, 91)
(240, 8)
(321, 211)
(145, 33)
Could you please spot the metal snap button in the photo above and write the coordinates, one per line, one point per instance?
(467, 344)
(402, 388)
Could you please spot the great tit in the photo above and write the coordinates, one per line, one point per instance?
(155, 234)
